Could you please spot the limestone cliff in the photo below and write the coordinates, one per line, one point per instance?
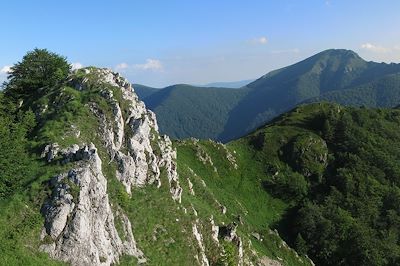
(80, 222)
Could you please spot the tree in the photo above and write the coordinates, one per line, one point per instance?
(39, 69)
(15, 161)
(301, 245)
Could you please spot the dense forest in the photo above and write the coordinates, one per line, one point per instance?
(338, 168)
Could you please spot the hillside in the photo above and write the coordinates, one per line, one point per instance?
(333, 75)
(186, 111)
(338, 170)
(87, 180)
(381, 92)
(143, 91)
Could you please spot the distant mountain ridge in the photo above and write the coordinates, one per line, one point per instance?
(335, 75)
(229, 84)
(144, 91)
(189, 111)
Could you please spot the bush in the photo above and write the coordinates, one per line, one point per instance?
(288, 185)
(309, 155)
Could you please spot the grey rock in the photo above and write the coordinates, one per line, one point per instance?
(50, 151)
(142, 155)
(199, 239)
(79, 221)
(256, 236)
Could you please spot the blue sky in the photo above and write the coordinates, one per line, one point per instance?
(159, 43)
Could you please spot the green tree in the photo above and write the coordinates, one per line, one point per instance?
(15, 161)
(38, 70)
(301, 245)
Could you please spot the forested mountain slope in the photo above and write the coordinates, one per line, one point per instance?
(333, 75)
(188, 111)
(338, 170)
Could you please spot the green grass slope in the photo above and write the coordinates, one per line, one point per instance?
(229, 176)
(337, 169)
(325, 176)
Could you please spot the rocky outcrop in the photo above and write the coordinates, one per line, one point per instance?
(203, 260)
(202, 155)
(79, 222)
(229, 156)
(50, 151)
(132, 139)
(81, 226)
(228, 233)
(214, 230)
(265, 261)
(308, 154)
(190, 185)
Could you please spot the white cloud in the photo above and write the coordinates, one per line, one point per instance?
(151, 64)
(259, 40)
(5, 69)
(374, 48)
(121, 66)
(76, 65)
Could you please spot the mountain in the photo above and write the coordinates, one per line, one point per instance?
(144, 91)
(232, 84)
(329, 72)
(335, 75)
(188, 111)
(380, 92)
(87, 179)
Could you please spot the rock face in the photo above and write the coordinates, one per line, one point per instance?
(308, 154)
(131, 138)
(80, 222)
(228, 233)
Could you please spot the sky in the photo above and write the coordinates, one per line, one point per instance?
(159, 43)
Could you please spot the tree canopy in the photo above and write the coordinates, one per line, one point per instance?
(338, 169)
(39, 69)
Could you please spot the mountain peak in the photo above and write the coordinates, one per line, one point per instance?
(346, 56)
(336, 52)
